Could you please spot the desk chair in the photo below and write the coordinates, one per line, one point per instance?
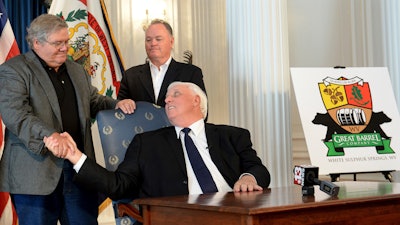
(116, 131)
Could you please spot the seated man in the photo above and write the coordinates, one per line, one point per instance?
(159, 163)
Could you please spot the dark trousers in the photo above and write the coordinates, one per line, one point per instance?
(68, 204)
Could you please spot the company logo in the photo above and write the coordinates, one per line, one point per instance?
(350, 119)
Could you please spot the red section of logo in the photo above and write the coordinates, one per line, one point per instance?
(358, 95)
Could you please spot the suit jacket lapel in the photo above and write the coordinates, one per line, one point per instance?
(170, 76)
(44, 80)
(216, 153)
(177, 149)
(145, 78)
(78, 81)
(213, 145)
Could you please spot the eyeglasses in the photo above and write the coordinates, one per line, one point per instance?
(58, 44)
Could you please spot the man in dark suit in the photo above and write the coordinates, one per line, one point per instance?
(157, 162)
(44, 94)
(149, 82)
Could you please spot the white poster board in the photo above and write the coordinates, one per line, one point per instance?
(350, 118)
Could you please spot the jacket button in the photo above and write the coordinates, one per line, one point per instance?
(185, 182)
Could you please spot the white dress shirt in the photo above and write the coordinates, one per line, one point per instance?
(157, 75)
(198, 136)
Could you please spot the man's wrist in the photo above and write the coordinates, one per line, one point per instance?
(80, 162)
(249, 174)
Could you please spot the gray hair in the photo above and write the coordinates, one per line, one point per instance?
(196, 91)
(163, 22)
(43, 26)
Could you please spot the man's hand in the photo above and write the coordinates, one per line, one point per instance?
(246, 183)
(60, 145)
(71, 153)
(127, 106)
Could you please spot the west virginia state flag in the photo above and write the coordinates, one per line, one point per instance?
(8, 49)
(91, 42)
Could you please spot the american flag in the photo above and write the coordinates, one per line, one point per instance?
(8, 49)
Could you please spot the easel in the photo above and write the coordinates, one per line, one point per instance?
(336, 176)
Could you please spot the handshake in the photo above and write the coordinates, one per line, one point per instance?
(63, 146)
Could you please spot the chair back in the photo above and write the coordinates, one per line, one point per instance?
(117, 129)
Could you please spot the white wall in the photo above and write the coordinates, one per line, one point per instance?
(319, 33)
(319, 36)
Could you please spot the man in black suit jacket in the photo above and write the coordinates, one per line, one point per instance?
(156, 163)
(149, 82)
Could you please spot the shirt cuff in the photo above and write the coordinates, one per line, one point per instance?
(247, 174)
(80, 162)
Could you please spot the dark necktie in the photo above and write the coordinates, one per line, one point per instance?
(203, 175)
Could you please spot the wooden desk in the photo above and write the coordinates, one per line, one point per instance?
(357, 203)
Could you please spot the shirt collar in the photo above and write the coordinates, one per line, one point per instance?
(166, 64)
(196, 128)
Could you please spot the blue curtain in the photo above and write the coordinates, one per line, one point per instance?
(21, 13)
